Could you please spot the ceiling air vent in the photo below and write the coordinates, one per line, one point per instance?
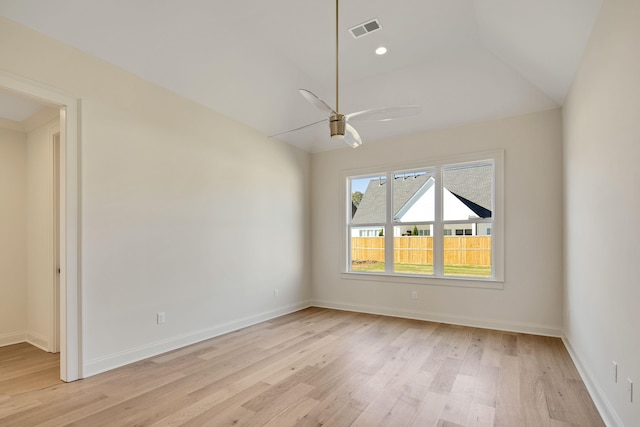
(365, 28)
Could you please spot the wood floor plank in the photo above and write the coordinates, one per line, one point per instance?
(79, 412)
(445, 423)
(492, 350)
(486, 389)
(481, 415)
(10, 406)
(429, 411)
(509, 407)
(347, 401)
(376, 410)
(48, 374)
(293, 415)
(403, 411)
(532, 377)
(510, 344)
(24, 367)
(43, 412)
(273, 394)
(199, 406)
(456, 410)
(446, 376)
(229, 411)
(279, 400)
(475, 350)
(464, 386)
(316, 367)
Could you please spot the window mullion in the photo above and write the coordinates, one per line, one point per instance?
(389, 229)
(438, 229)
(348, 241)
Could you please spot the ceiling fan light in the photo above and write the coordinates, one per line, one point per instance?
(337, 124)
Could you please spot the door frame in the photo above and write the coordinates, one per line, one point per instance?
(70, 266)
(54, 342)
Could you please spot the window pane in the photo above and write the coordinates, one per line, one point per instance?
(368, 200)
(467, 192)
(467, 250)
(367, 249)
(413, 197)
(413, 249)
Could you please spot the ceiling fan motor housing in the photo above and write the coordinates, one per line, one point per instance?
(337, 124)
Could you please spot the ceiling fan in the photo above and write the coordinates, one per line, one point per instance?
(339, 123)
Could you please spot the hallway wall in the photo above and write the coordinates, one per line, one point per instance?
(13, 235)
(40, 239)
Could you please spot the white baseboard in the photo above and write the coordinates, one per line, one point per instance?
(116, 360)
(13, 338)
(445, 318)
(38, 340)
(112, 361)
(599, 397)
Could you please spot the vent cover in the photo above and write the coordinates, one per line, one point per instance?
(365, 28)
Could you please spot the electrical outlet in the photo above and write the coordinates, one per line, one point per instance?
(160, 317)
(614, 371)
(630, 389)
(414, 295)
(275, 292)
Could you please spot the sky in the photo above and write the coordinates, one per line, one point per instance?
(361, 184)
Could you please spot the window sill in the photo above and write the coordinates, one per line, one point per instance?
(463, 282)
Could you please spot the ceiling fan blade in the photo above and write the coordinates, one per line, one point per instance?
(351, 136)
(319, 103)
(385, 113)
(301, 127)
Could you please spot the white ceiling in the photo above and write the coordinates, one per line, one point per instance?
(462, 60)
(17, 108)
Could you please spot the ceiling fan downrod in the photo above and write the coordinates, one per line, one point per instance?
(337, 59)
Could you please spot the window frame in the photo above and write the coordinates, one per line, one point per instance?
(496, 157)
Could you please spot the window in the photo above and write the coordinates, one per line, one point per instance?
(434, 221)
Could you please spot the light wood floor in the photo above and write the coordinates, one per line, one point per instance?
(319, 367)
(24, 367)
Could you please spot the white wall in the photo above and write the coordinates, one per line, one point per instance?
(183, 210)
(40, 262)
(532, 296)
(13, 236)
(602, 148)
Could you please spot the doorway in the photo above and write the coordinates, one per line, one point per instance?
(67, 326)
(41, 131)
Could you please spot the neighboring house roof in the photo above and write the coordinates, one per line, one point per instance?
(471, 185)
(372, 205)
(480, 211)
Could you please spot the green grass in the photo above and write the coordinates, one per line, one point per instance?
(427, 269)
(368, 266)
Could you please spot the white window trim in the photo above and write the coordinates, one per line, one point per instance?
(497, 232)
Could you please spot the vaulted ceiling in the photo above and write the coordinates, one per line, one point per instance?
(462, 61)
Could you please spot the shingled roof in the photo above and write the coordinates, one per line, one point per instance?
(471, 185)
(372, 205)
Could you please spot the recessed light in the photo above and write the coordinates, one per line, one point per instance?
(381, 50)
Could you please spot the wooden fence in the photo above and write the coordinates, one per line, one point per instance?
(458, 250)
